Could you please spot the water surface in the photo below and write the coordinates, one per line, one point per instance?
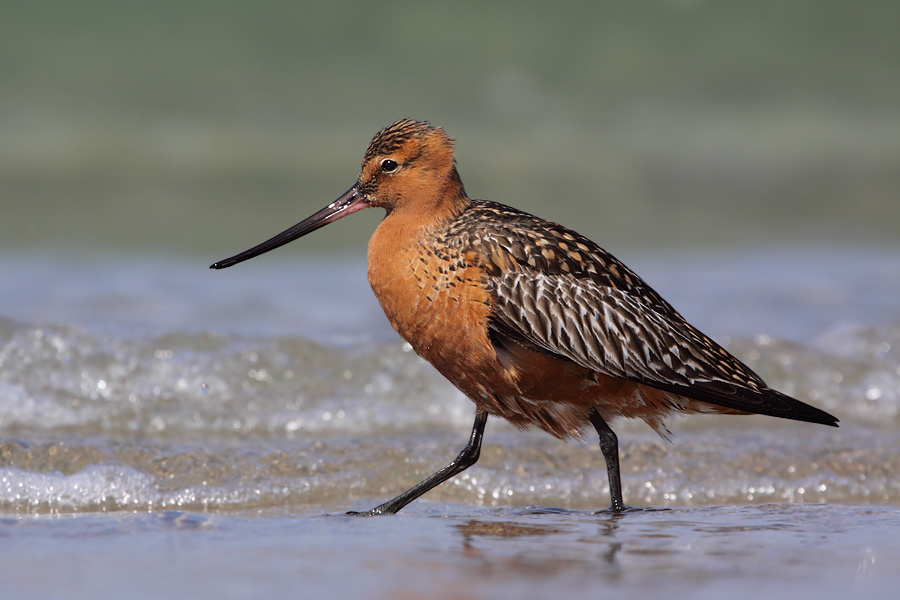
(156, 413)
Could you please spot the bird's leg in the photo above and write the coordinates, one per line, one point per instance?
(609, 446)
(466, 458)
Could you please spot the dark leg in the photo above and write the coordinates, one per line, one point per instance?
(609, 446)
(466, 458)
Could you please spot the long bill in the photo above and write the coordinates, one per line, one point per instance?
(350, 202)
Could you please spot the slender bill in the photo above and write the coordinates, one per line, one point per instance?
(350, 202)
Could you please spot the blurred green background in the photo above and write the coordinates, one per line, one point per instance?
(205, 127)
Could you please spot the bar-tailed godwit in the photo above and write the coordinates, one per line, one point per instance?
(533, 322)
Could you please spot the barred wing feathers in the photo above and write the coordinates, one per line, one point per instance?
(559, 293)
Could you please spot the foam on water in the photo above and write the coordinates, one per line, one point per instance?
(103, 417)
(200, 421)
(67, 378)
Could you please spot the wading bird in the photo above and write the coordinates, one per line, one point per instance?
(533, 322)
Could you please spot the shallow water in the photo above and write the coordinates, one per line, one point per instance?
(156, 413)
(798, 551)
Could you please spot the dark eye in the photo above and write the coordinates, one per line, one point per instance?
(389, 165)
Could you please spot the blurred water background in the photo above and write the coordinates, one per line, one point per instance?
(166, 430)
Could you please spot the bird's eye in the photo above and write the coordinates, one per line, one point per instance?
(389, 165)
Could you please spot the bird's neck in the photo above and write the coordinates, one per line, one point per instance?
(427, 208)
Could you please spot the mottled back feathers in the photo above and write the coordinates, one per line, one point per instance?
(559, 293)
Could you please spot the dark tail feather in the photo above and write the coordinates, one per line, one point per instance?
(781, 405)
(766, 401)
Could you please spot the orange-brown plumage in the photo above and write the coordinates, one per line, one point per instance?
(532, 321)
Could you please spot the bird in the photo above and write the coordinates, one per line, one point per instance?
(532, 321)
